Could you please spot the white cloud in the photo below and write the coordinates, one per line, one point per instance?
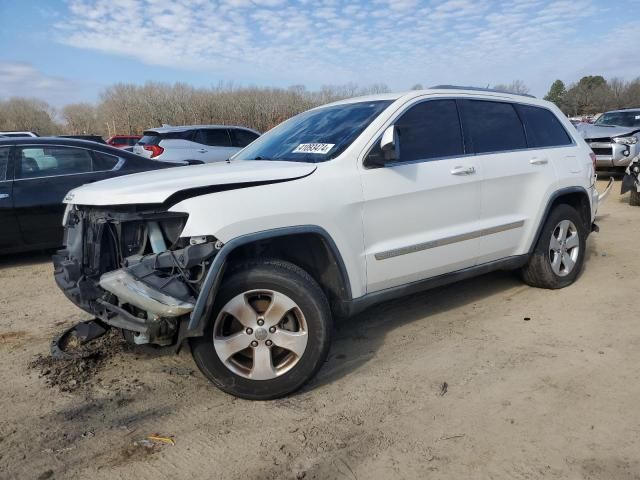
(23, 80)
(400, 42)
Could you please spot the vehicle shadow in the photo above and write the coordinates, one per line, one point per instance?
(357, 339)
(26, 258)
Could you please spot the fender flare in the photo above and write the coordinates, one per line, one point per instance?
(555, 196)
(211, 284)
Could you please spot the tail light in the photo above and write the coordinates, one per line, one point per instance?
(593, 160)
(154, 149)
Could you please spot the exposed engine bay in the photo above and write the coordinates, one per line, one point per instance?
(130, 268)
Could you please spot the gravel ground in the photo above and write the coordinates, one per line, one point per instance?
(554, 396)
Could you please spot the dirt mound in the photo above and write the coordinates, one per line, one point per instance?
(78, 369)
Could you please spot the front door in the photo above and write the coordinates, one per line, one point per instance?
(421, 212)
(43, 176)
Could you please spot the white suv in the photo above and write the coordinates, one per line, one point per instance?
(194, 143)
(334, 210)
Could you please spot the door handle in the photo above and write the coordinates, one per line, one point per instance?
(203, 150)
(3, 196)
(539, 161)
(460, 170)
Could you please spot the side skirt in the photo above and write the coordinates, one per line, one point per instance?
(360, 304)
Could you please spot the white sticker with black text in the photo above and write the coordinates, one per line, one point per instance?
(319, 148)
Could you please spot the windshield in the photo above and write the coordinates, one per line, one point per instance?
(316, 135)
(620, 119)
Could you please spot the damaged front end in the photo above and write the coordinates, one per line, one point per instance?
(631, 179)
(130, 268)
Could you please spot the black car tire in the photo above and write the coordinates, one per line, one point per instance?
(296, 284)
(538, 272)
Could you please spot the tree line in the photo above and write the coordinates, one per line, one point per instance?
(594, 94)
(129, 109)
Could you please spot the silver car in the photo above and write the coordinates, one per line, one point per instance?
(614, 137)
(194, 143)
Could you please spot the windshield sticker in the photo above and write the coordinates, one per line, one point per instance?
(319, 148)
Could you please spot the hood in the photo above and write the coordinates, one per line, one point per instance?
(158, 186)
(596, 131)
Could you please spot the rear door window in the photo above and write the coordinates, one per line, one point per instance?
(39, 161)
(492, 126)
(242, 138)
(430, 130)
(543, 127)
(213, 137)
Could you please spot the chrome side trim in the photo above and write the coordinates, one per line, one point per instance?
(447, 240)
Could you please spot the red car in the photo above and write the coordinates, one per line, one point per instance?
(123, 141)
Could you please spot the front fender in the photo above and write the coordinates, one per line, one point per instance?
(211, 284)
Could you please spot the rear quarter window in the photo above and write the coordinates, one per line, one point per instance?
(543, 127)
(242, 138)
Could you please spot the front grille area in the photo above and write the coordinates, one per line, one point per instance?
(603, 151)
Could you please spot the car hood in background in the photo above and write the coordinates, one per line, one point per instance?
(159, 185)
(596, 131)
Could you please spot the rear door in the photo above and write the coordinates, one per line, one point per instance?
(43, 176)
(215, 144)
(9, 230)
(516, 177)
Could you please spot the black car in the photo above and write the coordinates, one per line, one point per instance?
(92, 138)
(36, 174)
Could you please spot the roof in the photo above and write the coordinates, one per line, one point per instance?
(452, 90)
(182, 128)
(622, 110)
(70, 142)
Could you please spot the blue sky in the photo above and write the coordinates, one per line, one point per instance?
(68, 50)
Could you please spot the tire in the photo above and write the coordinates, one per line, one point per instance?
(634, 198)
(541, 271)
(261, 292)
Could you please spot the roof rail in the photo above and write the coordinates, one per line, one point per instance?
(477, 89)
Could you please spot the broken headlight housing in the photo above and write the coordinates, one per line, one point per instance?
(631, 140)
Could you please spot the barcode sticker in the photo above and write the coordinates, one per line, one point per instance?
(319, 148)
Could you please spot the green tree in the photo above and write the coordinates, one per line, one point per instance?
(556, 94)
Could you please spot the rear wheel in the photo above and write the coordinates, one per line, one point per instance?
(269, 332)
(559, 254)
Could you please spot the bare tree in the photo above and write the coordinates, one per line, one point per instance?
(517, 86)
(81, 118)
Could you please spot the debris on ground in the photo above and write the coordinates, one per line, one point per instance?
(69, 373)
(68, 343)
(444, 388)
(161, 439)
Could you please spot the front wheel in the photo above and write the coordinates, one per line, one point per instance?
(559, 254)
(269, 333)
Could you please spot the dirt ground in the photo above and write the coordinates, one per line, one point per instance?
(555, 396)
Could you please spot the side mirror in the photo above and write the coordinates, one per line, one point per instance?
(387, 150)
(390, 144)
